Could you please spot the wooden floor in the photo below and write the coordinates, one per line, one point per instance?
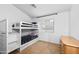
(40, 47)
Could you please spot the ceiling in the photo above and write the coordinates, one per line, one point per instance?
(42, 9)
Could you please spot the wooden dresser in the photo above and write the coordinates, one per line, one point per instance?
(69, 45)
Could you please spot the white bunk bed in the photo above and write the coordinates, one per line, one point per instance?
(10, 41)
(20, 27)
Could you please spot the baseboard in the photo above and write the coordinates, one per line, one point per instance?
(50, 42)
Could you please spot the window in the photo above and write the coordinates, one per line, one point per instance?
(47, 25)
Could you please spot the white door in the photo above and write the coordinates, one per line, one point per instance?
(3, 36)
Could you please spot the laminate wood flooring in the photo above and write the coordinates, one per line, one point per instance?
(40, 47)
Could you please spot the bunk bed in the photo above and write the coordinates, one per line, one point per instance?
(23, 35)
(28, 33)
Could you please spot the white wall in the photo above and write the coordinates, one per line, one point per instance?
(75, 21)
(61, 27)
(13, 14)
(62, 23)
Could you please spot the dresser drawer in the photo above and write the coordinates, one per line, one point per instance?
(12, 46)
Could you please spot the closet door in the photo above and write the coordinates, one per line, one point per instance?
(3, 36)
